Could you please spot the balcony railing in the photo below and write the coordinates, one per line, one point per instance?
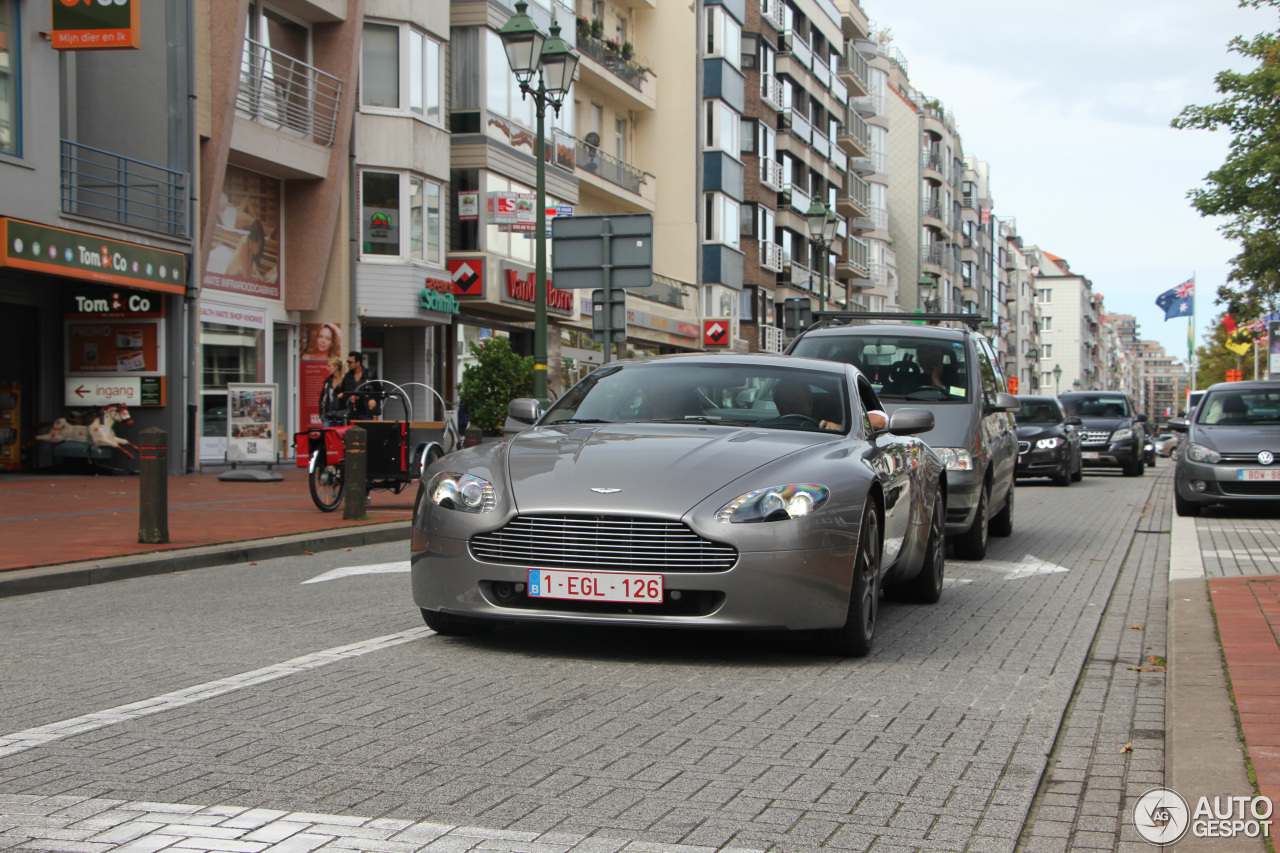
(931, 160)
(771, 91)
(822, 71)
(854, 64)
(856, 130)
(278, 90)
(931, 208)
(931, 255)
(821, 144)
(610, 168)
(839, 159)
(629, 72)
(771, 174)
(771, 11)
(800, 200)
(839, 89)
(858, 190)
(771, 256)
(770, 339)
(122, 190)
(857, 253)
(798, 124)
(797, 47)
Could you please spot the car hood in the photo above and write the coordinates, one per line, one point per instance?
(1109, 424)
(644, 468)
(952, 422)
(1239, 439)
(1039, 430)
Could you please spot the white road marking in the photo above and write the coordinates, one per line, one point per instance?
(371, 569)
(1186, 561)
(1029, 567)
(40, 735)
(145, 827)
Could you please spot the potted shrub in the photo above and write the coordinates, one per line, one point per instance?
(597, 28)
(628, 50)
(488, 386)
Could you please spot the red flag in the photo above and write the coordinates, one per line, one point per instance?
(1230, 323)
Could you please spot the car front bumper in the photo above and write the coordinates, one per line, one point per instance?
(963, 491)
(1120, 454)
(1225, 483)
(1042, 463)
(794, 590)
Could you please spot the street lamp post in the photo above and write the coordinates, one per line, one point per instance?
(822, 230)
(529, 52)
(1057, 379)
(927, 287)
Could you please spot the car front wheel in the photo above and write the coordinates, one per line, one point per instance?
(456, 626)
(1002, 522)
(926, 587)
(860, 625)
(1184, 507)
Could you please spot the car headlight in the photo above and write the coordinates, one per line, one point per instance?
(1049, 443)
(956, 459)
(1200, 453)
(465, 492)
(1122, 435)
(775, 503)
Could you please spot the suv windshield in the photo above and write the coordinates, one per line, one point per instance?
(1240, 408)
(1038, 412)
(903, 366)
(757, 395)
(1102, 406)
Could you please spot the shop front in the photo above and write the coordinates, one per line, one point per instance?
(88, 323)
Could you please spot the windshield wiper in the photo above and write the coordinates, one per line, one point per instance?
(698, 419)
(580, 421)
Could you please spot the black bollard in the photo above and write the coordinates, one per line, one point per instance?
(153, 486)
(355, 468)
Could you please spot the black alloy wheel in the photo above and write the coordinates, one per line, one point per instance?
(926, 587)
(972, 544)
(855, 638)
(1002, 521)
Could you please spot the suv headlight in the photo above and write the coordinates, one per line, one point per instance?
(1049, 443)
(465, 492)
(776, 503)
(1200, 453)
(1122, 435)
(956, 458)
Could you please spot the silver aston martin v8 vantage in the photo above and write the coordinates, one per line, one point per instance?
(705, 490)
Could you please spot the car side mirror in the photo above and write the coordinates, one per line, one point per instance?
(1074, 421)
(910, 421)
(1004, 403)
(1179, 424)
(526, 410)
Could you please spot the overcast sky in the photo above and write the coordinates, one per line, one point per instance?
(1070, 101)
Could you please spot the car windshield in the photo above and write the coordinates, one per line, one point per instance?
(1038, 412)
(1230, 407)
(740, 394)
(902, 366)
(1096, 407)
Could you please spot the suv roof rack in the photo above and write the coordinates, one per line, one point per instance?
(830, 319)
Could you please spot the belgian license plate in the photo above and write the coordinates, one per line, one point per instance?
(1253, 474)
(595, 586)
(1089, 454)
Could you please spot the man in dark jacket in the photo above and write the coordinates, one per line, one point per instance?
(362, 402)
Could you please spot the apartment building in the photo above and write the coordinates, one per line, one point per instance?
(97, 227)
(276, 95)
(1018, 313)
(1069, 325)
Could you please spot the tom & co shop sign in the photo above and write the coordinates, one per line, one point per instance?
(96, 24)
(41, 248)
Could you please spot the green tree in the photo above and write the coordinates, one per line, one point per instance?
(488, 386)
(1214, 359)
(1243, 189)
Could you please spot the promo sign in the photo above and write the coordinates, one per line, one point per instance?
(251, 422)
(118, 303)
(56, 251)
(105, 390)
(468, 277)
(519, 286)
(113, 346)
(716, 332)
(96, 24)
(245, 258)
(437, 295)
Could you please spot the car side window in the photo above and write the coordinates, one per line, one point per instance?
(990, 387)
(869, 403)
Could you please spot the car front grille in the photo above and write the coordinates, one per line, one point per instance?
(1244, 458)
(1264, 489)
(1095, 436)
(602, 543)
(1024, 446)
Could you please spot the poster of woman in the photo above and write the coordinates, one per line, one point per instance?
(246, 254)
(319, 342)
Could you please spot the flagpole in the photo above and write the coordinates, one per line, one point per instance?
(1191, 333)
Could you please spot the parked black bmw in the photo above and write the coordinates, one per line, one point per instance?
(1113, 432)
(1048, 444)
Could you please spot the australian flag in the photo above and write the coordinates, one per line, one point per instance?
(1176, 302)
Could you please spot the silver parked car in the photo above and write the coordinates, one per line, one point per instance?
(709, 490)
(1231, 454)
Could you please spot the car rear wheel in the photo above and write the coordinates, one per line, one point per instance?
(456, 626)
(1078, 475)
(1002, 522)
(1066, 476)
(926, 587)
(972, 544)
(855, 638)
(1184, 507)
(1135, 468)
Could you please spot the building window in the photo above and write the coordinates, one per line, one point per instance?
(1046, 324)
(1044, 294)
(10, 90)
(724, 36)
(724, 128)
(722, 220)
(503, 97)
(400, 217)
(1046, 350)
(401, 71)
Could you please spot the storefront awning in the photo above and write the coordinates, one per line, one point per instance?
(72, 254)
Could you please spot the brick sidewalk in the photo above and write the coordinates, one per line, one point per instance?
(1248, 616)
(54, 520)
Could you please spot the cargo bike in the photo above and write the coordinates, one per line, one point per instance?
(397, 451)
